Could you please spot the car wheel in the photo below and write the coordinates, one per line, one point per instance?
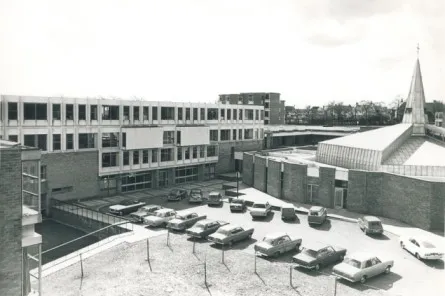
(402, 245)
(418, 256)
(363, 279)
(317, 267)
(388, 269)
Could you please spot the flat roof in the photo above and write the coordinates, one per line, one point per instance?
(377, 139)
(428, 154)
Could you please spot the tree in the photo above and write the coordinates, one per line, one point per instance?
(308, 113)
(366, 107)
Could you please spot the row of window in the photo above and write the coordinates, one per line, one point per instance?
(225, 134)
(38, 111)
(85, 141)
(111, 159)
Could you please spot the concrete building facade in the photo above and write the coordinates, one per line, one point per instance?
(94, 147)
(274, 109)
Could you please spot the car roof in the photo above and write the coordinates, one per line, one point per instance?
(184, 213)
(288, 206)
(372, 219)
(316, 208)
(361, 256)
(164, 210)
(150, 206)
(229, 227)
(275, 235)
(214, 193)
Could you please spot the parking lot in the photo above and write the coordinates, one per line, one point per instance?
(409, 276)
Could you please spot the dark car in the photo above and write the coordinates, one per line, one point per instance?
(238, 205)
(288, 212)
(126, 206)
(177, 194)
(196, 195)
(317, 215)
(315, 258)
(205, 227)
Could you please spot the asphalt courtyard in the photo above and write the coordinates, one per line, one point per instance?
(409, 276)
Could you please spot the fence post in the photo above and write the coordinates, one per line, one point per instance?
(168, 236)
(254, 255)
(335, 286)
(205, 270)
(81, 266)
(194, 242)
(148, 250)
(222, 247)
(290, 276)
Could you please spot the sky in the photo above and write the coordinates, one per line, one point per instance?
(310, 51)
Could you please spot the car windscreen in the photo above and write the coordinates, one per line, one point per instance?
(240, 202)
(310, 252)
(214, 196)
(180, 217)
(160, 215)
(174, 192)
(268, 240)
(195, 191)
(259, 206)
(314, 213)
(200, 225)
(223, 232)
(128, 202)
(352, 262)
(427, 245)
(375, 224)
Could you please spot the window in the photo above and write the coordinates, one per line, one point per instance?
(155, 113)
(69, 110)
(136, 181)
(126, 158)
(124, 139)
(262, 114)
(167, 113)
(135, 112)
(240, 134)
(154, 155)
(38, 141)
(211, 151)
(203, 113)
(166, 154)
(225, 135)
(126, 112)
(266, 114)
(110, 112)
(234, 114)
(110, 140)
(187, 113)
(179, 153)
(249, 114)
(56, 143)
(110, 159)
(257, 114)
(240, 99)
(180, 113)
(56, 112)
(62, 189)
(229, 114)
(186, 174)
(195, 113)
(201, 151)
(312, 193)
(240, 113)
(43, 172)
(195, 152)
(93, 112)
(213, 135)
(145, 112)
(212, 114)
(69, 142)
(187, 153)
(87, 141)
(144, 156)
(12, 111)
(250, 98)
(13, 138)
(82, 112)
(178, 137)
(223, 114)
(169, 137)
(33, 111)
(234, 134)
(135, 157)
(248, 134)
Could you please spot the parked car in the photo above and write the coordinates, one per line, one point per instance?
(370, 225)
(361, 267)
(205, 227)
(195, 196)
(260, 209)
(277, 243)
(288, 212)
(238, 205)
(421, 248)
(160, 217)
(215, 199)
(177, 194)
(184, 220)
(126, 206)
(315, 258)
(317, 215)
(229, 234)
(138, 217)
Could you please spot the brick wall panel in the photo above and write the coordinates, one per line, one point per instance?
(295, 182)
(260, 173)
(274, 178)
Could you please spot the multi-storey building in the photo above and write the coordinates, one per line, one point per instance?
(95, 147)
(20, 245)
(274, 109)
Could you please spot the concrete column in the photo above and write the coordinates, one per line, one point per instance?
(154, 179)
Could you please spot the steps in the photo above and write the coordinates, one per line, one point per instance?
(405, 151)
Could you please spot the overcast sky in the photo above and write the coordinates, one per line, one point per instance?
(310, 51)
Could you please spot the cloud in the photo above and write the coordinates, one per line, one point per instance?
(330, 33)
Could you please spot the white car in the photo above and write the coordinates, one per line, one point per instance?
(260, 209)
(421, 248)
(160, 218)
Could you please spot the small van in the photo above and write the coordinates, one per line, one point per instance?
(215, 199)
(288, 212)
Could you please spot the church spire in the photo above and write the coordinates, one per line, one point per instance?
(415, 103)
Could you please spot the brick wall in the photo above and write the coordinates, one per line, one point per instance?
(226, 161)
(260, 173)
(357, 191)
(274, 178)
(295, 182)
(437, 210)
(248, 167)
(10, 223)
(326, 190)
(78, 169)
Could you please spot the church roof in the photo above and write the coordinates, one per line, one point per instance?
(415, 103)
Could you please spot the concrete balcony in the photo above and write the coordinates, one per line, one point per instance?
(30, 237)
(30, 216)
